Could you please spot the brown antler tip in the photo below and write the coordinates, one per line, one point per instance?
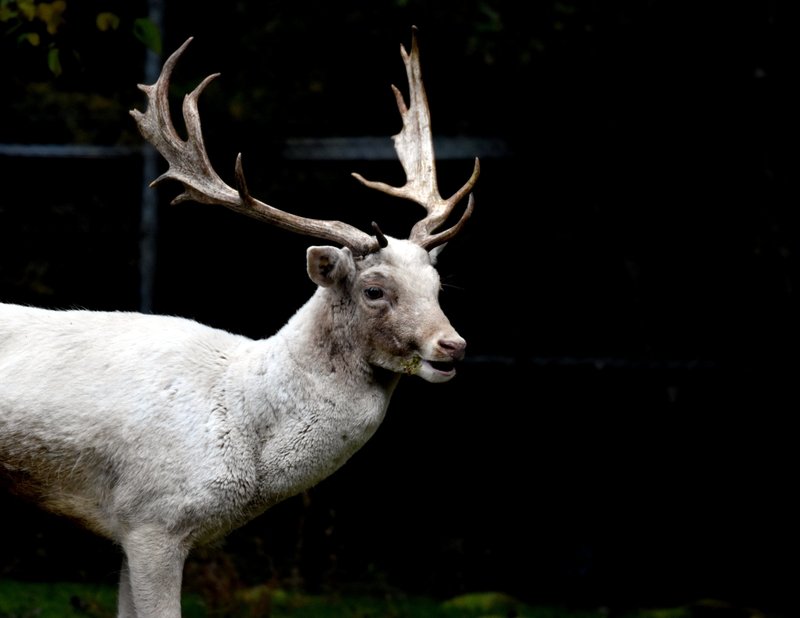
(241, 183)
(414, 37)
(382, 242)
(185, 44)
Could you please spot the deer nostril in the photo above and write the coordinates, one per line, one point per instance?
(454, 347)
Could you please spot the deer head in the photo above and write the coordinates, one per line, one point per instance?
(378, 264)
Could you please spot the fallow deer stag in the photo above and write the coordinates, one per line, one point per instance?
(160, 433)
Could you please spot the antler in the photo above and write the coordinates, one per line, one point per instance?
(189, 164)
(414, 147)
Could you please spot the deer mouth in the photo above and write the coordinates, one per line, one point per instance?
(438, 371)
(442, 366)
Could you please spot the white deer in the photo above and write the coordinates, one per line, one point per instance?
(160, 433)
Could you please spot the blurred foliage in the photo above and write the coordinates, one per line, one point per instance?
(64, 57)
(71, 68)
(53, 26)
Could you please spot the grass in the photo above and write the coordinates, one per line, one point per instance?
(71, 600)
(25, 600)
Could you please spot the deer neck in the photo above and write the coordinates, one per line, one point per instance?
(324, 400)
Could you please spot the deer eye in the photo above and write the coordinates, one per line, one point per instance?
(373, 293)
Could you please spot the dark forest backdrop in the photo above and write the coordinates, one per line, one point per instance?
(622, 431)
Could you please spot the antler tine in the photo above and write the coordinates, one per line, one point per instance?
(414, 147)
(189, 164)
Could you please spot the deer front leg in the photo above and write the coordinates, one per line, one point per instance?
(125, 607)
(152, 571)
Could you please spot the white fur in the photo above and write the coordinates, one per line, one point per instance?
(159, 433)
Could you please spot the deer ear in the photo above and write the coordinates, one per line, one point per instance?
(434, 253)
(328, 265)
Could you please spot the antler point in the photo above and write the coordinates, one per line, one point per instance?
(359, 178)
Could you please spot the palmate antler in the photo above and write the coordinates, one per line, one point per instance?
(414, 147)
(189, 164)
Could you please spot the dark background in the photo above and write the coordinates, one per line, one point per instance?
(621, 432)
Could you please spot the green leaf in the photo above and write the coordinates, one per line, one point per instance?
(27, 8)
(107, 21)
(54, 62)
(6, 12)
(147, 32)
(29, 37)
